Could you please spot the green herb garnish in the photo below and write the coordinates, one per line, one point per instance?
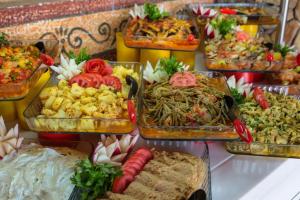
(283, 49)
(239, 98)
(171, 65)
(224, 26)
(14, 75)
(3, 39)
(82, 56)
(94, 180)
(153, 12)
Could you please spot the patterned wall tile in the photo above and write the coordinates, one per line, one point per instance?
(96, 31)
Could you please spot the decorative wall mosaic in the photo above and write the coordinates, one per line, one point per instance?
(95, 30)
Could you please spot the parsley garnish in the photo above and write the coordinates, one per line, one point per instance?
(82, 56)
(282, 49)
(239, 98)
(3, 39)
(153, 12)
(171, 65)
(94, 180)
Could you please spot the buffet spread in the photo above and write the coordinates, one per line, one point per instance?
(151, 120)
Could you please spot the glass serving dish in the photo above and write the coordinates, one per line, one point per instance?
(198, 149)
(228, 62)
(197, 132)
(78, 125)
(246, 13)
(267, 149)
(146, 42)
(18, 90)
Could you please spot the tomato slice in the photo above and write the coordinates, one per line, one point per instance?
(121, 183)
(46, 59)
(113, 81)
(146, 153)
(260, 98)
(81, 80)
(228, 11)
(129, 170)
(183, 79)
(96, 79)
(94, 66)
(107, 70)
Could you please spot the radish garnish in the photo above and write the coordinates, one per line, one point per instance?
(112, 150)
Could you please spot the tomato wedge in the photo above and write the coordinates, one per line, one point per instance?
(121, 183)
(113, 81)
(96, 79)
(81, 80)
(260, 98)
(46, 59)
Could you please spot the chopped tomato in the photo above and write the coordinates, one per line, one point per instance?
(96, 79)
(298, 59)
(190, 38)
(81, 80)
(269, 57)
(46, 59)
(112, 81)
(2, 76)
(183, 79)
(121, 183)
(1, 61)
(260, 98)
(228, 11)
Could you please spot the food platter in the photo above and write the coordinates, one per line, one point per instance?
(185, 131)
(198, 149)
(245, 13)
(22, 70)
(264, 145)
(83, 123)
(170, 32)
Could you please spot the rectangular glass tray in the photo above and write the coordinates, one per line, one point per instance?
(222, 133)
(78, 125)
(198, 149)
(18, 90)
(265, 149)
(163, 43)
(268, 15)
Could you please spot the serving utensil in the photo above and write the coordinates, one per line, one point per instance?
(238, 124)
(132, 93)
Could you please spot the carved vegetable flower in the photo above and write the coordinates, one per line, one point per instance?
(239, 89)
(9, 141)
(137, 12)
(68, 68)
(112, 150)
(204, 12)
